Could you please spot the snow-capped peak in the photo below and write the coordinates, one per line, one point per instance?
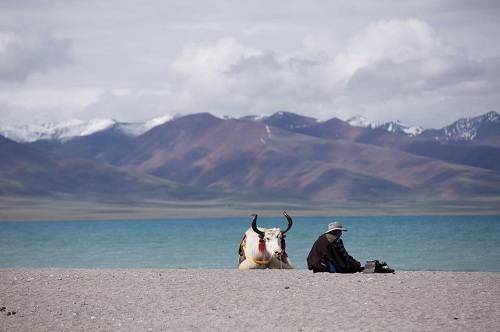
(52, 130)
(256, 118)
(399, 127)
(87, 128)
(66, 130)
(139, 128)
(393, 126)
(413, 130)
(157, 121)
(360, 121)
(492, 116)
(469, 128)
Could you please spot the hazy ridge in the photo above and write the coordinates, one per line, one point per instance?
(281, 158)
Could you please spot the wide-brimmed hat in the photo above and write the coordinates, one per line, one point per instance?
(334, 226)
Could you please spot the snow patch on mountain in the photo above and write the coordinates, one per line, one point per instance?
(399, 127)
(139, 128)
(256, 118)
(66, 130)
(52, 130)
(392, 126)
(467, 129)
(268, 130)
(360, 121)
(413, 130)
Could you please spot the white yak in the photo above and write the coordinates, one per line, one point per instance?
(264, 248)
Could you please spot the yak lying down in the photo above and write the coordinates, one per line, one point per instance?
(264, 248)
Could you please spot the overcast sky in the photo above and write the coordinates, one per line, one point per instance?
(422, 62)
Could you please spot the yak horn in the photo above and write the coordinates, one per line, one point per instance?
(290, 222)
(254, 226)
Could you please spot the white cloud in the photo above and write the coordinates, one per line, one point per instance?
(12, 114)
(320, 59)
(22, 55)
(48, 105)
(228, 77)
(204, 68)
(383, 71)
(128, 105)
(49, 97)
(395, 41)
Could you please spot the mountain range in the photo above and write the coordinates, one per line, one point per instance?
(282, 157)
(463, 129)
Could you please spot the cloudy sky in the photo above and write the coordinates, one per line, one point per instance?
(424, 62)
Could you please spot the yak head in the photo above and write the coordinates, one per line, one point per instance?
(269, 242)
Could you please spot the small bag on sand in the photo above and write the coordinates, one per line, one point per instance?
(375, 266)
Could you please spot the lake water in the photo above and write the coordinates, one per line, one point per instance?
(446, 243)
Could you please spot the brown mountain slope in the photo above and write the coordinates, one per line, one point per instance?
(249, 157)
(28, 172)
(481, 152)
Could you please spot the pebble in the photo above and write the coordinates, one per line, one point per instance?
(3, 308)
(92, 317)
(287, 287)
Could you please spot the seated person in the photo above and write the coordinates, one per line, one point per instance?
(329, 255)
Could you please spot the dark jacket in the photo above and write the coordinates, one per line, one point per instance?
(323, 251)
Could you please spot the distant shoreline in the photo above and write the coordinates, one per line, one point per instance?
(292, 300)
(30, 209)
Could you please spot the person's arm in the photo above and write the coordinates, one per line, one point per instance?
(316, 257)
(351, 261)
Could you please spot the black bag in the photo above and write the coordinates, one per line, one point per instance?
(374, 266)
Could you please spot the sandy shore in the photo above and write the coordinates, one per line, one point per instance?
(232, 300)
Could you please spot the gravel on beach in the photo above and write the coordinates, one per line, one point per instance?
(233, 300)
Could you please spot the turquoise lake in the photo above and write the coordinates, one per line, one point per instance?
(435, 243)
